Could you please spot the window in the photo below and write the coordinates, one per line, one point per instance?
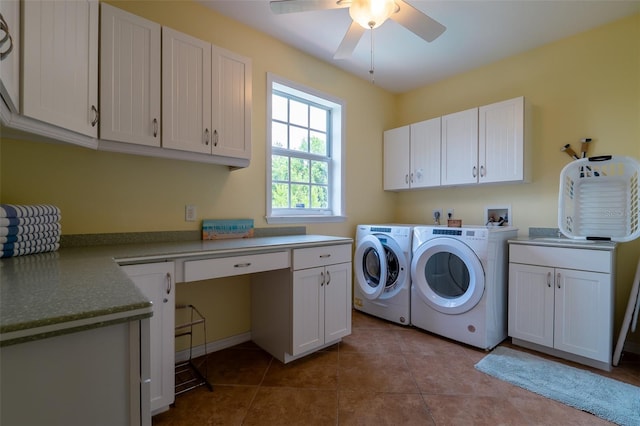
(305, 167)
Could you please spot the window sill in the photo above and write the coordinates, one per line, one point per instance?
(304, 219)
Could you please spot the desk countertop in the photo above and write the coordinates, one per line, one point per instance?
(74, 289)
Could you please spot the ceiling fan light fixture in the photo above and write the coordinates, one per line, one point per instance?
(371, 14)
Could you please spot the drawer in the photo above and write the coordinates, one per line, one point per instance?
(560, 257)
(321, 256)
(196, 270)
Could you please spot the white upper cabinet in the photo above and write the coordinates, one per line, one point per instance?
(501, 141)
(396, 158)
(60, 68)
(425, 153)
(206, 97)
(231, 109)
(129, 78)
(186, 92)
(460, 148)
(485, 144)
(412, 156)
(10, 53)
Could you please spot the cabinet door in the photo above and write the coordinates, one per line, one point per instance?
(130, 78)
(81, 378)
(425, 154)
(307, 319)
(231, 97)
(531, 303)
(396, 158)
(337, 301)
(186, 92)
(156, 282)
(10, 55)
(460, 147)
(501, 141)
(60, 68)
(583, 306)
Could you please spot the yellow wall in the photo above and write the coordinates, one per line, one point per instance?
(100, 192)
(584, 86)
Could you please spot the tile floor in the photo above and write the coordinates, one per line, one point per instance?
(382, 374)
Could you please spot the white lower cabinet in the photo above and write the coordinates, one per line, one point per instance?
(156, 282)
(90, 377)
(321, 306)
(561, 302)
(296, 313)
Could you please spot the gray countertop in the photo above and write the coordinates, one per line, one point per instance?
(565, 242)
(77, 288)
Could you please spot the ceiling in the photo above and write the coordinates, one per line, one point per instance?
(478, 32)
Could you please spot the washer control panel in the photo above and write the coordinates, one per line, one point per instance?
(465, 233)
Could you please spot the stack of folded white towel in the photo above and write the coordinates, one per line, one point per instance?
(29, 229)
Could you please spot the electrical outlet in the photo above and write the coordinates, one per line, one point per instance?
(437, 215)
(449, 213)
(190, 213)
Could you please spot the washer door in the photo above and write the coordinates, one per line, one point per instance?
(447, 275)
(371, 267)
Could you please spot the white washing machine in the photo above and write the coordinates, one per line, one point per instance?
(459, 283)
(381, 267)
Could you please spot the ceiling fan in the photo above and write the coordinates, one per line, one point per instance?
(367, 14)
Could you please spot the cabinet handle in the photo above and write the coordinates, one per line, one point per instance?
(96, 116)
(206, 136)
(324, 256)
(558, 278)
(242, 265)
(406, 178)
(411, 178)
(548, 279)
(475, 171)
(168, 284)
(328, 278)
(5, 27)
(321, 279)
(482, 173)
(155, 127)
(215, 138)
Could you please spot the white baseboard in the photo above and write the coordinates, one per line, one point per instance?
(213, 346)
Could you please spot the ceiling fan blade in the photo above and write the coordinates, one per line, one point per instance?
(417, 22)
(350, 41)
(294, 6)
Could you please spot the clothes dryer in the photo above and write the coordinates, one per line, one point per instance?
(459, 283)
(381, 268)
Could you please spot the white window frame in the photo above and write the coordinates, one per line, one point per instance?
(337, 152)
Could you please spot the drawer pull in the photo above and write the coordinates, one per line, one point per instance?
(242, 265)
(324, 256)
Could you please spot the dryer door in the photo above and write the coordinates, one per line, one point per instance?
(370, 267)
(447, 275)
